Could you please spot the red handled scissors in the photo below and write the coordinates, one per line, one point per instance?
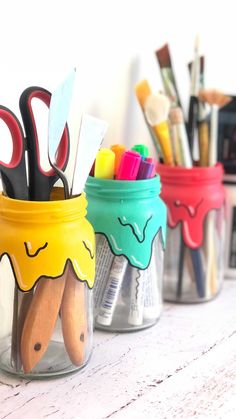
(13, 174)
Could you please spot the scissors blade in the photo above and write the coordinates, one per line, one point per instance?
(58, 113)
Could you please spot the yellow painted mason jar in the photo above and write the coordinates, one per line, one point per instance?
(46, 279)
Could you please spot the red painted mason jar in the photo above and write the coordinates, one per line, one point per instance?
(194, 257)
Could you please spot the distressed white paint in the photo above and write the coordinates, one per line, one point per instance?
(183, 367)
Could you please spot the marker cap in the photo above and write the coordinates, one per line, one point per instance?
(118, 149)
(129, 166)
(145, 170)
(104, 164)
(141, 149)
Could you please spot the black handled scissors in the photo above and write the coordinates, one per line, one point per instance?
(13, 174)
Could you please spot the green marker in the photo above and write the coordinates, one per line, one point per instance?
(141, 149)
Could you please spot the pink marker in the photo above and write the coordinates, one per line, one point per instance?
(129, 165)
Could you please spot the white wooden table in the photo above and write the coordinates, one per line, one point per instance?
(183, 367)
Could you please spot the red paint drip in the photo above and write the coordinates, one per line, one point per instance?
(189, 195)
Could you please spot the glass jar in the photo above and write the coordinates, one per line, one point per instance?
(129, 220)
(49, 266)
(194, 257)
(230, 238)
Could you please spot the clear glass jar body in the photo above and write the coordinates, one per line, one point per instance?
(230, 239)
(195, 275)
(126, 298)
(46, 320)
(129, 220)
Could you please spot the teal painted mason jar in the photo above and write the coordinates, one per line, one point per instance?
(129, 219)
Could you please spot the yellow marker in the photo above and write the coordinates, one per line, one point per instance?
(118, 149)
(105, 164)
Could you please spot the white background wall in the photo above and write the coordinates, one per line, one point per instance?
(112, 44)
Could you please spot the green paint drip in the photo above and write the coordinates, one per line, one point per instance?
(129, 214)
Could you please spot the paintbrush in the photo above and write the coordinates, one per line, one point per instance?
(180, 138)
(216, 100)
(157, 109)
(193, 100)
(167, 75)
(142, 91)
(203, 125)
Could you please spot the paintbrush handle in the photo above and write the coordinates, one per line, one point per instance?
(203, 136)
(213, 136)
(74, 318)
(40, 320)
(192, 120)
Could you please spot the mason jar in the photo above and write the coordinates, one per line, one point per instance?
(48, 255)
(129, 219)
(194, 257)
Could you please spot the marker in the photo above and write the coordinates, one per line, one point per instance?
(154, 162)
(137, 288)
(105, 164)
(118, 149)
(145, 170)
(141, 149)
(129, 166)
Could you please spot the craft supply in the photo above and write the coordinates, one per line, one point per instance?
(105, 164)
(142, 149)
(143, 90)
(156, 110)
(118, 149)
(216, 100)
(129, 166)
(167, 74)
(91, 135)
(13, 174)
(41, 182)
(58, 114)
(193, 111)
(180, 137)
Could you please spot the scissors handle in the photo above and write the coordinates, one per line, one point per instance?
(13, 174)
(40, 181)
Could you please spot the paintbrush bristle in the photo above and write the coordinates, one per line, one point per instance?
(157, 108)
(214, 97)
(163, 56)
(176, 116)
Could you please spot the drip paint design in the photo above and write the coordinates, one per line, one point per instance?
(191, 213)
(131, 235)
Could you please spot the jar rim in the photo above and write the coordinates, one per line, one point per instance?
(196, 175)
(112, 188)
(43, 211)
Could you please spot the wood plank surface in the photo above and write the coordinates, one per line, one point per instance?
(183, 367)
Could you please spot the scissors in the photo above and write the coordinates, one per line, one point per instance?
(14, 177)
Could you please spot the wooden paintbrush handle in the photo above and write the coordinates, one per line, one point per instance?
(203, 133)
(40, 320)
(74, 318)
(24, 301)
